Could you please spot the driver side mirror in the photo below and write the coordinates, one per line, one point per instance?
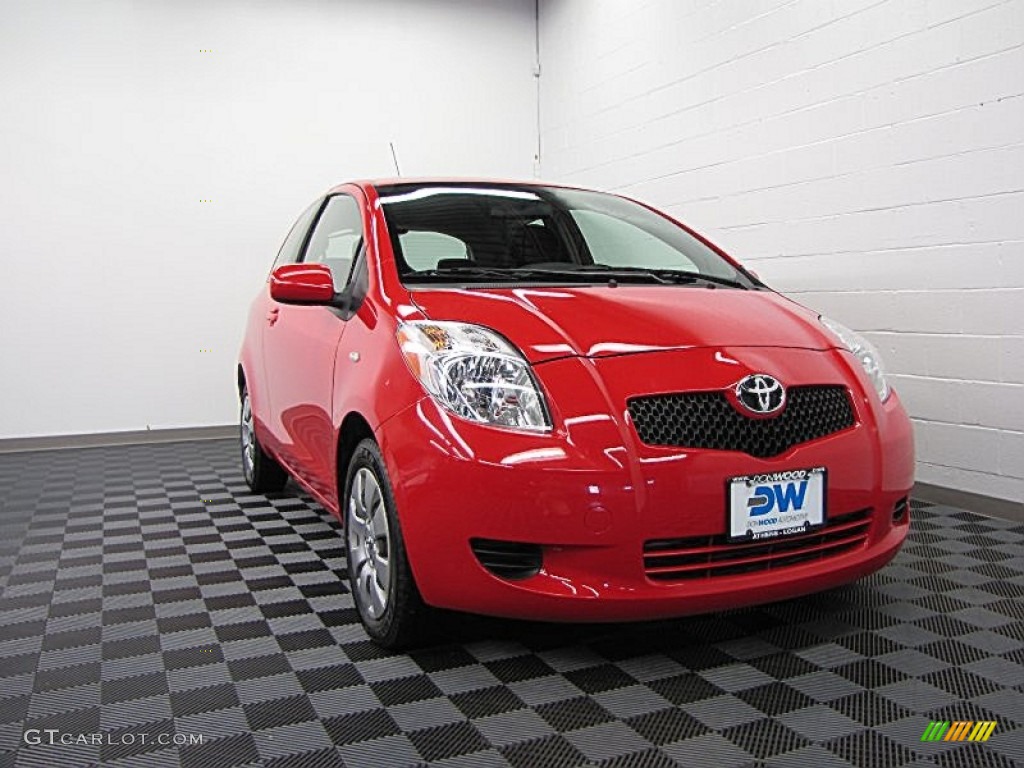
(302, 284)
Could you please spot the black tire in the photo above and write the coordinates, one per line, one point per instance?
(262, 473)
(405, 618)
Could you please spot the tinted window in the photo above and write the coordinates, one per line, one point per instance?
(423, 250)
(289, 252)
(484, 232)
(614, 242)
(337, 238)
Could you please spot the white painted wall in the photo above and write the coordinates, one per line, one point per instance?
(865, 156)
(114, 126)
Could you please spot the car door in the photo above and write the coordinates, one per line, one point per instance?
(262, 311)
(299, 348)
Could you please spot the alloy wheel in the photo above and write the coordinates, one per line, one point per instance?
(369, 542)
(248, 437)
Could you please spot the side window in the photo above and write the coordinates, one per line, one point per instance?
(617, 243)
(289, 252)
(423, 249)
(337, 238)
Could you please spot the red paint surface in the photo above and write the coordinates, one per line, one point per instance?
(588, 491)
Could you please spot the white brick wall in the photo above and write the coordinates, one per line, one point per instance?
(865, 156)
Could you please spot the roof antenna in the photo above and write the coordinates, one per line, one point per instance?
(395, 158)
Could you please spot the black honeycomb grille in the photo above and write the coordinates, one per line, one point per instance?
(708, 420)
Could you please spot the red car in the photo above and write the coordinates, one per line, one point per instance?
(534, 401)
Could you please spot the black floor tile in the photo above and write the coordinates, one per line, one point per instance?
(131, 607)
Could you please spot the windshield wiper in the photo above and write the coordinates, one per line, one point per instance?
(514, 274)
(686, 276)
(589, 272)
(455, 272)
(576, 273)
(667, 276)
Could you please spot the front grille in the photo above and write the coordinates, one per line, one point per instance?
(511, 560)
(705, 557)
(708, 420)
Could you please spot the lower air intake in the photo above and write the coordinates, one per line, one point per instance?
(510, 560)
(705, 557)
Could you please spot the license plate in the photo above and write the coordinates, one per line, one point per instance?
(776, 504)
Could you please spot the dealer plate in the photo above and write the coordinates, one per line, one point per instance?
(776, 504)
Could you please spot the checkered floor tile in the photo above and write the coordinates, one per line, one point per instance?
(156, 613)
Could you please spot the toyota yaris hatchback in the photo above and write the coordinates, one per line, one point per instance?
(540, 402)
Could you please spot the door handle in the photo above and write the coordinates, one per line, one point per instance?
(272, 315)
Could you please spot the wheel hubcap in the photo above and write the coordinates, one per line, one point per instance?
(369, 543)
(248, 437)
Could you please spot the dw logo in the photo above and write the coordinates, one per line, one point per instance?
(767, 498)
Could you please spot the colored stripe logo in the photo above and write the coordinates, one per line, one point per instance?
(958, 730)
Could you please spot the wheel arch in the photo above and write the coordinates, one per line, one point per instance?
(354, 429)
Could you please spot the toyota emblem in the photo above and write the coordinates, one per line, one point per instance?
(760, 393)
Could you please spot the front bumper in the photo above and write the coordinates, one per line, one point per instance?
(592, 495)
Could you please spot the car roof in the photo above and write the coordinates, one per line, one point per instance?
(387, 182)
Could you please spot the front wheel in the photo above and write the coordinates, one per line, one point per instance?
(262, 473)
(385, 593)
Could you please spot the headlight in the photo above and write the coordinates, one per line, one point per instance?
(474, 373)
(864, 351)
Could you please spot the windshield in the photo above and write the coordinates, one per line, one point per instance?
(483, 233)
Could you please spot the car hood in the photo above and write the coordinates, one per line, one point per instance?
(601, 321)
